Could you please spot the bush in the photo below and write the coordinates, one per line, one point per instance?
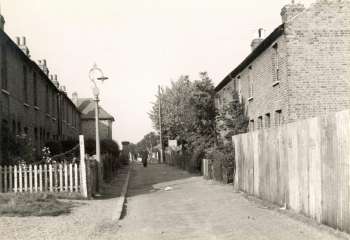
(110, 146)
(90, 146)
(68, 145)
(223, 163)
(55, 147)
(196, 159)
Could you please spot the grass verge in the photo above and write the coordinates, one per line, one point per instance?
(40, 204)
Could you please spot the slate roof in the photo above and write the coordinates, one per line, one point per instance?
(87, 108)
(251, 57)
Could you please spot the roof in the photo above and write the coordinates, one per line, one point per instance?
(252, 56)
(33, 64)
(87, 108)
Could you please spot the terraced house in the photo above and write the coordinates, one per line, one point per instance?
(301, 70)
(31, 101)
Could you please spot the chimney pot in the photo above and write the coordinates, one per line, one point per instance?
(256, 41)
(2, 23)
(24, 41)
(18, 41)
(289, 11)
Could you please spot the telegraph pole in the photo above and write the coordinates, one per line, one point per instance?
(160, 125)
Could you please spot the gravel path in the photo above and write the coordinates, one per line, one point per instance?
(88, 220)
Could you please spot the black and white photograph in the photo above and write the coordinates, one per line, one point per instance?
(174, 119)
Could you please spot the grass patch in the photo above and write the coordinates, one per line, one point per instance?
(40, 204)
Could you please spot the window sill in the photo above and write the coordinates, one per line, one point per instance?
(5, 91)
(48, 115)
(26, 105)
(275, 83)
(250, 99)
(36, 108)
(53, 118)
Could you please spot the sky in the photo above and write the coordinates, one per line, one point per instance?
(139, 44)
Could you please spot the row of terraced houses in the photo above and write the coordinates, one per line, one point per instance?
(32, 102)
(301, 70)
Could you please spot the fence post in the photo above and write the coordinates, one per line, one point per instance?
(10, 179)
(5, 179)
(1, 179)
(15, 189)
(83, 179)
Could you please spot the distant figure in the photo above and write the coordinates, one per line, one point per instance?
(144, 156)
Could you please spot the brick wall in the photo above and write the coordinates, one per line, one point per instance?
(313, 67)
(268, 96)
(318, 43)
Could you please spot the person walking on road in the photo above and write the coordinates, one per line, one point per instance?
(144, 156)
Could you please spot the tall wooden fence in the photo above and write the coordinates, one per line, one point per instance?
(40, 178)
(304, 166)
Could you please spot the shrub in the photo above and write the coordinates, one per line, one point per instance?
(68, 145)
(110, 146)
(90, 146)
(223, 163)
(55, 147)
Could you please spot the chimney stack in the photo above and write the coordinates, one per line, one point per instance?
(256, 41)
(75, 98)
(55, 81)
(43, 66)
(22, 45)
(290, 11)
(63, 89)
(2, 22)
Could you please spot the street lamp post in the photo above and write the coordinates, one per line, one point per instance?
(97, 74)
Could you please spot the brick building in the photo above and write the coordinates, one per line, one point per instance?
(31, 101)
(301, 70)
(87, 108)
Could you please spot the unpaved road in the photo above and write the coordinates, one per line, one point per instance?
(193, 208)
(89, 220)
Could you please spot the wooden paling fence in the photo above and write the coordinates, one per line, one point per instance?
(40, 178)
(304, 166)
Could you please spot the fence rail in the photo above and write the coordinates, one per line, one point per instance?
(40, 178)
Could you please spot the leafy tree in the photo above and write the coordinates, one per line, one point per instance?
(232, 119)
(176, 112)
(188, 115)
(203, 105)
(149, 141)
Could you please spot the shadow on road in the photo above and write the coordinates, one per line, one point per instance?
(143, 179)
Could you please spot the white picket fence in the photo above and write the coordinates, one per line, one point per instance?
(40, 178)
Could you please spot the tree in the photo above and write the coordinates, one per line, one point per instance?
(188, 112)
(176, 112)
(147, 143)
(203, 104)
(232, 119)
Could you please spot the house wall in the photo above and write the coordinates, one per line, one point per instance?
(89, 131)
(268, 95)
(314, 67)
(42, 121)
(318, 45)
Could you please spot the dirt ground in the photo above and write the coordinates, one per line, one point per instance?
(167, 203)
(89, 219)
